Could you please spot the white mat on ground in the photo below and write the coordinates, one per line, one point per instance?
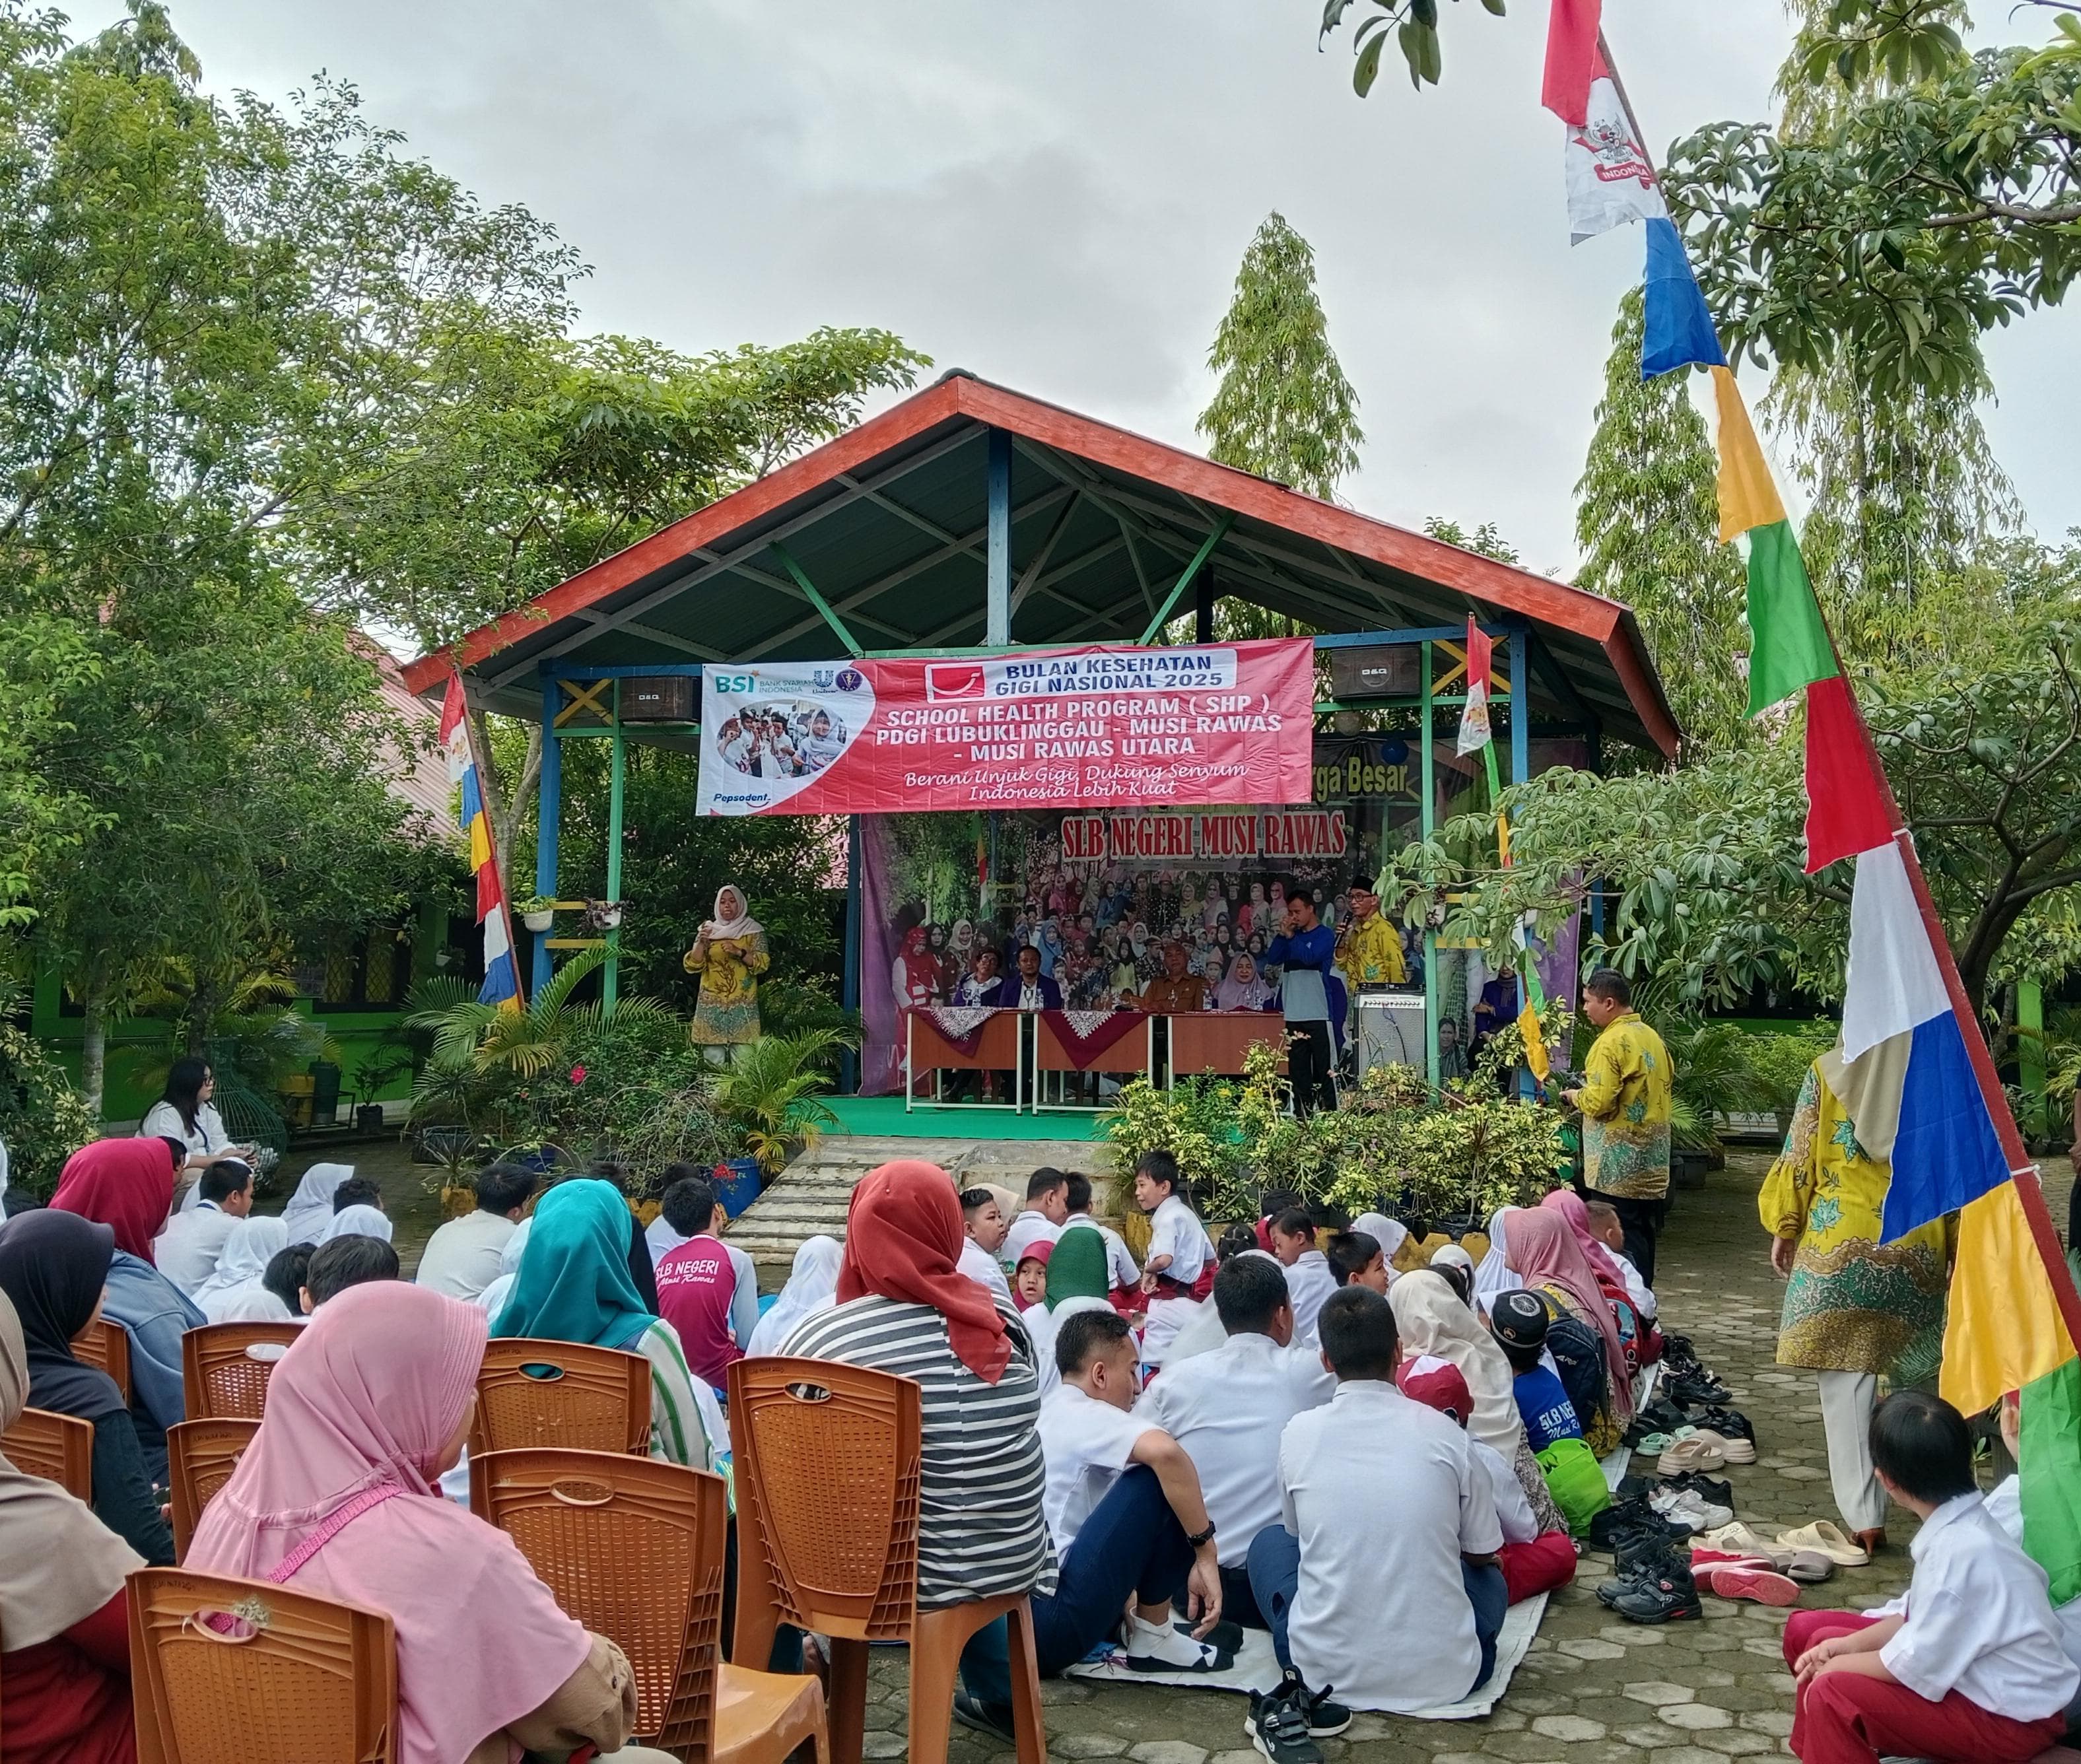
(1256, 1668)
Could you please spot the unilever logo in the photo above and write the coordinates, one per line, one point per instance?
(822, 678)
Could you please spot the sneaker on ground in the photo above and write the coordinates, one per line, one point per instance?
(1707, 1489)
(1279, 1729)
(1667, 1597)
(1765, 1586)
(1325, 1718)
(1686, 1506)
(1159, 1647)
(994, 1719)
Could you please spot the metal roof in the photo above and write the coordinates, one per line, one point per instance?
(889, 522)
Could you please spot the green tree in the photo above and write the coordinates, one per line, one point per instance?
(1647, 517)
(1284, 408)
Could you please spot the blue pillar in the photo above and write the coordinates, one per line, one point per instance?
(548, 810)
(996, 624)
(849, 981)
(1520, 706)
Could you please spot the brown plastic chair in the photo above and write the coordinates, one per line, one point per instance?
(532, 1392)
(200, 1456)
(59, 1448)
(300, 1680)
(633, 1549)
(222, 1378)
(107, 1345)
(827, 1463)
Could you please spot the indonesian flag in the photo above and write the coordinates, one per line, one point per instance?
(1475, 719)
(1611, 179)
(1571, 57)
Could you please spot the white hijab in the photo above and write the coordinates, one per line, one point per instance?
(493, 1298)
(233, 1293)
(1388, 1232)
(742, 923)
(358, 1221)
(1492, 1273)
(812, 1286)
(310, 1208)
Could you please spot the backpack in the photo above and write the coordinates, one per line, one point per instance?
(1576, 1481)
(1579, 1355)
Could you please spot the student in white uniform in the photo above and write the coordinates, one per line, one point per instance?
(1309, 1279)
(2005, 1508)
(1357, 1259)
(185, 1112)
(1604, 1222)
(1382, 1580)
(1122, 1276)
(188, 1249)
(1126, 1491)
(1228, 1408)
(1969, 1664)
(1180, 1255)
(983, 1220)
(461, 1258)
(1047, 1212)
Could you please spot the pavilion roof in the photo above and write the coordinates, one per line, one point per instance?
(890, 523)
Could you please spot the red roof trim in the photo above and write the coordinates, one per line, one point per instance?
(1504, 587)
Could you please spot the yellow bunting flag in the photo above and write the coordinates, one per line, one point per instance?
(1748, 497)
(2004, 1330)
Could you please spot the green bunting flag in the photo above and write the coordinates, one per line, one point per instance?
(2051, 1472)
(1790, 647)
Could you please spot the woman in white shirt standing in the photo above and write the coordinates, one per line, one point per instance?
(185, 1112)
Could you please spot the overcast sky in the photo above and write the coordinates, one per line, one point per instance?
(1056, 196)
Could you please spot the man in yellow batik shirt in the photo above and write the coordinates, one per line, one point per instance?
(1369, 953)
(1624, 1101)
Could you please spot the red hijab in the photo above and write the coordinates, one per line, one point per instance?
(1542, 1248)
(903, 1242)
(125, 1184)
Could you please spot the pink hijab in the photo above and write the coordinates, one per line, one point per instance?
(372, 1393)
(1572, 1208)
(1542, 1248)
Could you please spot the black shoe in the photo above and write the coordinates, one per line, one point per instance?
(1730, 1423)
(1278, 1726)
(1667, 1597)
(1325, 1719)
(1622, 1518)
(1634, 1550)
(994, 1719)
(1719, 1493)
(1677, 1352)
(1696, 1387)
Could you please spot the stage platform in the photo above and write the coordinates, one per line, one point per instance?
(884, 1116)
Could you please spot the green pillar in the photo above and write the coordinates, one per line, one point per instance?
(1428, 823)
(2030, 1045)
(610, 984)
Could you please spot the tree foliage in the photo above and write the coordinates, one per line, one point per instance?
(1284, 408)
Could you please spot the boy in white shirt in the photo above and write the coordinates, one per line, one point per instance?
(983, 1220)
(1357, 1259)
(188, 1250)
(1969, 1666)
(1308, 1277)
(1382, 1581)
(1604, 1222)
(1122, 1276)
(1228, 1408)
(1180, 1270)
(1047, 1212)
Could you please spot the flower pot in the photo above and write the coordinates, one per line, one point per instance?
(610, 916)
(458, 1200)
(539, 922)
(738, 1184)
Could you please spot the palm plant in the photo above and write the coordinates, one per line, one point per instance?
(770, 1092)
(498, 1039)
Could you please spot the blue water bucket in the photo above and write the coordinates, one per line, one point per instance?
(736, 1184)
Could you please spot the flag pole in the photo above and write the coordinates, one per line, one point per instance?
(491, 832)
(2023, 1172)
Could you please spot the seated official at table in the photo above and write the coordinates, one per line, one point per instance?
(982, 984)
(1031, 989)
(1179, 989)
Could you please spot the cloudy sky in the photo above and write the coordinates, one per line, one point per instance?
(1056, 195)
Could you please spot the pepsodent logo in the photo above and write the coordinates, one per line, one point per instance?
(755, 798)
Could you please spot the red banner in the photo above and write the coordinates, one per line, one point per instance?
(1088, 728)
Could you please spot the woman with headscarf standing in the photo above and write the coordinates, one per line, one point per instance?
(65, 1642)
(729, 954)
(364, 1412)
(52, 1267)
(574, 1285)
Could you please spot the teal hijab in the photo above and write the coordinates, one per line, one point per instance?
(574, 1283)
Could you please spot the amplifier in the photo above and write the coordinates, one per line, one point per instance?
(658, 698)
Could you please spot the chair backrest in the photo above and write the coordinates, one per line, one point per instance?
(200, 1456)
(226, 1366)
(59, 1448)
(107, 1345)
(633, 1549)
(532, 1392)
(826, 1462)
(297, 1680)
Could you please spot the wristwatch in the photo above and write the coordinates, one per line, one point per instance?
(1200, 1538)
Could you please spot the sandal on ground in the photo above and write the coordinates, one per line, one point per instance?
(1697, 1454)
(1826, 1537)
(1734, 1451)
(1741, 1539)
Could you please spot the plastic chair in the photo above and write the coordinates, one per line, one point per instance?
(223, 1377)
(532, 1392)
(59, 1448)
(299, 1680)
(107, 1345)
(200, 1456)
(633, 1549)
(827, 1461)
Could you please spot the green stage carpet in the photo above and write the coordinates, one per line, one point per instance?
(883, 1117)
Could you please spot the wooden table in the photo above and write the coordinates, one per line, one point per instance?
(1132, 1056)
(925, 1049)
(1218, 1041)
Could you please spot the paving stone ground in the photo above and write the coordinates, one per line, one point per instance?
(1592, 1688)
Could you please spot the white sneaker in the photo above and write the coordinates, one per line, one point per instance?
(1687, 1506)
(1162, 1648)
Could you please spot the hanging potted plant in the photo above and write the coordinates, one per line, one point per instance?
(537, 912)
(602, 915)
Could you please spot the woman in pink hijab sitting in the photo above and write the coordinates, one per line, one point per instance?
(339, 1487)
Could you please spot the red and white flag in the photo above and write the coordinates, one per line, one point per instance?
(1475, 719)
(1611, 179)
(1571, 49)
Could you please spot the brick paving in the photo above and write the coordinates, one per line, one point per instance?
(1592, 1688)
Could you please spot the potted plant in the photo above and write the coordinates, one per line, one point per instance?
(602, 915)
(537, 912)
(769, 1095)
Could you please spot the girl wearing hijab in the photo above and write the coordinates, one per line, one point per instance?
(125, 1184)
(574, 1285)
(363, 1414)
(234, 1293)
(729, 954)
(64, 1643)
(52, 1267)
(1571, 1208)
(812, 1289)
(358, 1220)
(1549, 1261)
(1493, 1273)
(310, 1210)
(1457, 1266)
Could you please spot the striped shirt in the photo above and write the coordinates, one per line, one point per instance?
(980, 1531)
